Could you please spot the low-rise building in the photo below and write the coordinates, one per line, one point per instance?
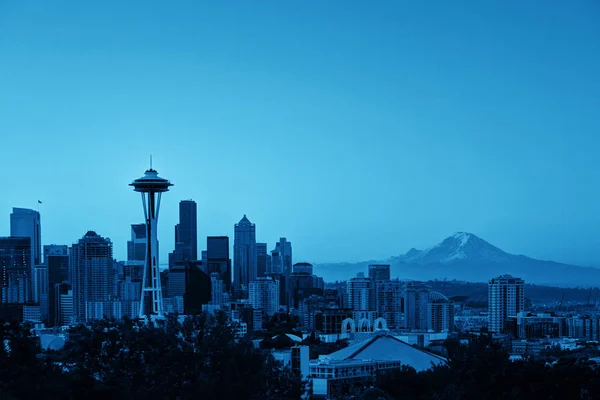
(358, 365)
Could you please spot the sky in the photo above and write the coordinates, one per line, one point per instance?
(355, 129)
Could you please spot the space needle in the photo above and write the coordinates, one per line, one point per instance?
(151, 186)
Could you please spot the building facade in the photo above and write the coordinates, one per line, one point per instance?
(264, 294)
(26, 223)
(92, 275)
(379, 272)
(244, 256)
(15, 270)
(506, 298)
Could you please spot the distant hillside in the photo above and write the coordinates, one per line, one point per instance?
(464, 256)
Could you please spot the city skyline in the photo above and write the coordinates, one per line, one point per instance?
(326, 125)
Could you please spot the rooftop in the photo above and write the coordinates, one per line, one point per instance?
(385, 347)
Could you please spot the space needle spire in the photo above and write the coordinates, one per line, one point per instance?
(151, 186)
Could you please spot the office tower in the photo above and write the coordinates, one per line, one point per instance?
(506, 298)
(186, 233)
(136, 247)
(151, 187)
(217, 259)
(43, 291)
(216, 289)
(26, 223)
(244, 255)
(281, 262)
(416, 303)
(264, 294)
(91, 276)
(15, 270)
(390, 302)
(261, 260)
(361, 293)
(303, 268)
(56, 257)
(379, 272)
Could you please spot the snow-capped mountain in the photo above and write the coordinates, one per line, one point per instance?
(460, 246)
(465, 256)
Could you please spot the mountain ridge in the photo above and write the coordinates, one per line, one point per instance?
(465, 256)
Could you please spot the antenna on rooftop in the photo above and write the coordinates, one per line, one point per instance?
(150, 161)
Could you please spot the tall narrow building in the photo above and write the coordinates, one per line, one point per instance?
(244, 256)
(26, 223)
(218, 260)
(262, 256)
(91, 277)
(136, 247)
(281, 258)
(506, 298)
(186, 232)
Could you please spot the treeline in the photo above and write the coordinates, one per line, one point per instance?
(127, 359)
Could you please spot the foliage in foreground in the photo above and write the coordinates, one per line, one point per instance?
(114, 360)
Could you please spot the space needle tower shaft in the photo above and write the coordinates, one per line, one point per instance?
(151, 187)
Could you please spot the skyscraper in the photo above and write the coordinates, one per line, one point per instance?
(57, 258)
(217, 259)
(244, 255)
(186, 232)
(261, 263)
(506, 298)
(26, 223)
(379, 272)
(281, 262)
(91, 276)
(15, 270)
(136, 247)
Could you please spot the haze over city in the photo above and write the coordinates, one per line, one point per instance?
(356, 131)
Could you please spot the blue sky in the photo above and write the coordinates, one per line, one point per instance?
(355, 129)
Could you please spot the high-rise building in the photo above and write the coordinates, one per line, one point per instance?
(136, 247)
(15, 270)
(379, 272)
(217, 259)
(91, 274)
(506, 298)
(43, 291)
(440, 315)
(244, 255)
(302, 268)
(56, 257)
(264, 294)
(261, 260)
(186, 232)
(26, 223)
(281, 257)
(416, 306)
(361, 293)
(390, 302)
